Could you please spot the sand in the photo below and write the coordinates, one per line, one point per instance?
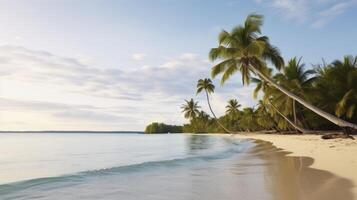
(338, 156)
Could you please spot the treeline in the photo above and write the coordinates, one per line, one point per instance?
(291, 97)
(156, 127)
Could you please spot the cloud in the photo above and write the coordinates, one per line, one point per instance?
(296, 10)
(61, 111)
(188, 56)
(331, 13)
(138, 56)
(115, 97)
(318, 12)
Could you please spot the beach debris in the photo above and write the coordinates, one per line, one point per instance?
(336, 136)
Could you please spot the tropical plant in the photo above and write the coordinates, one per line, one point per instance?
(264, 118)
(298, 81)
(190, 109)
(245, 50)
(248, 122)
(232, 107)
(273, 94)
(156, 127)
(336, 88)
(207, 86)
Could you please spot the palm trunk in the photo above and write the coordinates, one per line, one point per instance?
(294, 112)
(209, 105)
(302, 130)
(328, 116)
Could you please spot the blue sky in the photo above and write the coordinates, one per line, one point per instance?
(117, 65)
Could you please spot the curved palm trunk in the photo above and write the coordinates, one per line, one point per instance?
(209, 105)
(328, 116)
(302, 130)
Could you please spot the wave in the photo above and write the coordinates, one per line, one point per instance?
(80, 177)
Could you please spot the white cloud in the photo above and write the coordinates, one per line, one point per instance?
(17, 38)
(318, 12)
(331, 13)
(296, 10)
(138, 56)
(188, 56)
(71, 94)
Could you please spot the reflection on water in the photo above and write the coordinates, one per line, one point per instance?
(196, 143)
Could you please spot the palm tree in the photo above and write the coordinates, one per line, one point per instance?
(347, 104)
(262, 85)
(245, 50)
(248, 119)
(203, 115)
(190, 109)
(264, 119)
(297, 80)
(233, 107)
(207, 86)
(336, 86)
(202, 122)
(302, 130)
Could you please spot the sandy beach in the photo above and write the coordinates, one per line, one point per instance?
(337, 156)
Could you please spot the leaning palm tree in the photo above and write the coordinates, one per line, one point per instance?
(232, 107)
(190, 109)
(302, 130)
(295, 78)
(270, 94)
(298, 81)
(245, 50)
(207, 86)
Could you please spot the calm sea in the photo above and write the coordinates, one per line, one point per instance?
(141, 167)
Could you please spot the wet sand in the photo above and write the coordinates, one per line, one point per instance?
(337, 156)
(291, 177)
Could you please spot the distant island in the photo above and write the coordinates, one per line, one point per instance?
(54, 131)
(156, 127)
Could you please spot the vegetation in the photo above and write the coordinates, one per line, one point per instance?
(162, 128)
(207, 85)
(291, 97)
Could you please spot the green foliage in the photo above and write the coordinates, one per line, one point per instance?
(233, 107)
(335, 91)
(331, 88)
(242, 49)
(190, 109)
(205, 85)
(156, 127)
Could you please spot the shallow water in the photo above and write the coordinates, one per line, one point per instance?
(145, 167)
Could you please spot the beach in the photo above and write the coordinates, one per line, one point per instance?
(337, 156)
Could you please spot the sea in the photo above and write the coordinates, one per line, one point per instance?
(96, 166)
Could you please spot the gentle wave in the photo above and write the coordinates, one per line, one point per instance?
(77, 178)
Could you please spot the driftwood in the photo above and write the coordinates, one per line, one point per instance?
(337, 135)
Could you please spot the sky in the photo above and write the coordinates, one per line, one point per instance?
(121, 64)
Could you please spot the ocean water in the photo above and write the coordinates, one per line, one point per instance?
(117, 166)
(153, 167)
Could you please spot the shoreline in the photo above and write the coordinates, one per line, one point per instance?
(338, 156)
